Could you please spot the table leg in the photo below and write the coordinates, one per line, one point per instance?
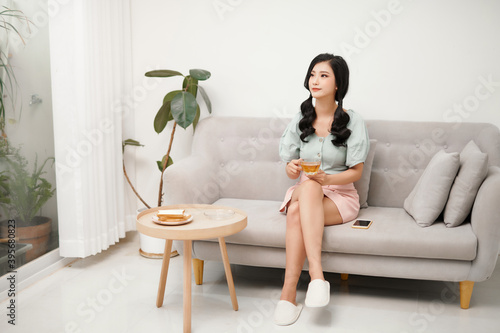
(187, 286)
(164, 272)
(229, 275)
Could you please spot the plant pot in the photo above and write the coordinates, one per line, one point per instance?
(152, 248)
(38, 235)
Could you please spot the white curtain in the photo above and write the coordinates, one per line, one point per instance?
(91, 78)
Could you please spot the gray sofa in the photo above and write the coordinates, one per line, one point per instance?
(235, 162)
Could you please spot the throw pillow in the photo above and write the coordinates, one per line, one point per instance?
(363, 184)
(428, 198)
(473, 170)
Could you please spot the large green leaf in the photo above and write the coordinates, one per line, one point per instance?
(132, 142)
(163, 73)
(160, 163)
(191, 84)
(162, 117)
(183, 108)
(170, 96)
(200, 74)
(196, 118)
(205, 98)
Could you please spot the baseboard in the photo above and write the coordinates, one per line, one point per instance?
(33, 272)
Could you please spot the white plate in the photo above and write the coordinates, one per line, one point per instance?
(156, 220)
(219, 214)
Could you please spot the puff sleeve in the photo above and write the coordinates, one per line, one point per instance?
(290, 142)
(358, 144)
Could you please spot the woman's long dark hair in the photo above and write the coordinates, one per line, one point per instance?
(339, 128)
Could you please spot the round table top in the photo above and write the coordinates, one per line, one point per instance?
(202, 227)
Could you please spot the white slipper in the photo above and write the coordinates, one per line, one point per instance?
(286, 313)
(318, 293)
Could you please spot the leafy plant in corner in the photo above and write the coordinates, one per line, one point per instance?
(27, 190)
(8, 80)
(181, 107)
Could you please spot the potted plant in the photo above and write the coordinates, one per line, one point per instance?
(182, 107)
(27, 192)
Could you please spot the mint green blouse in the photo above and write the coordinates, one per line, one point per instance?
(333, 159)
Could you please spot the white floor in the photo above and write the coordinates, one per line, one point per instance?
(115, 291)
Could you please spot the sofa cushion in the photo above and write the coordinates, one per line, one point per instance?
(428, 198)
(393, 233)
(473, 170)
(363, 184)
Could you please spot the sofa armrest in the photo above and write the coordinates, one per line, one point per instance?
(190, 181)
(485, 222)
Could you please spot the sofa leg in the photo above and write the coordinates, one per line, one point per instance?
(198, 271)
(465, 293)
(344, 277)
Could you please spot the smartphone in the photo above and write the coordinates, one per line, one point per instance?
(362, 224)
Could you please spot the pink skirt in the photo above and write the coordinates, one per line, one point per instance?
(345, 198)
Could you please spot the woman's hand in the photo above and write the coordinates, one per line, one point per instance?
(319, 177)
(293, 169)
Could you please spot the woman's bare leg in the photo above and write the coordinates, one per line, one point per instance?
(316, 211)
(295, 253)
(295, 242)
(312, 219)
(332, 214)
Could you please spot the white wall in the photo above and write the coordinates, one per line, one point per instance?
(409, 60)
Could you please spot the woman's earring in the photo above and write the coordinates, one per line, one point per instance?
(314, 102)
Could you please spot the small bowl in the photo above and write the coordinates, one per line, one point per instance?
(219, 214)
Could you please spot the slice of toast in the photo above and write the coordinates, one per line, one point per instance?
(172, 215)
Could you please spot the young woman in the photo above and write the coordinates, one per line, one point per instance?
(339, 138)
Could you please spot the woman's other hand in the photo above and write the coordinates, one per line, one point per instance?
(293, 169)
(319, 177)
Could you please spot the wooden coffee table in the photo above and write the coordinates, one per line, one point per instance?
(202, 227)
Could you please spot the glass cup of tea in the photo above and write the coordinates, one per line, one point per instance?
(310, 166)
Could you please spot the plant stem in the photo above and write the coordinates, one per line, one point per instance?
(160, 195)
(132, 186)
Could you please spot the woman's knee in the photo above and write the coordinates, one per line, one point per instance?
(311, 187)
